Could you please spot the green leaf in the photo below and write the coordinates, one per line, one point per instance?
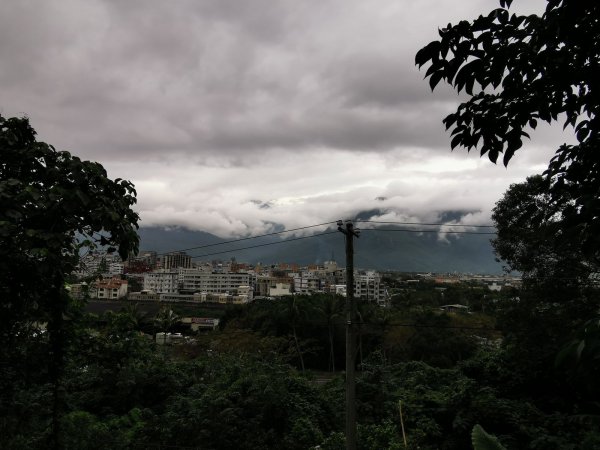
(484, 441)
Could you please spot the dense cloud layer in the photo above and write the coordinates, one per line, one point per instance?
(231, 116)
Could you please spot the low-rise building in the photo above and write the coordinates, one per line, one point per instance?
(307, 283)
(144, 296)
(111, 288)
(201, 323)
(280, 290)
(265, 283)
(194, 280)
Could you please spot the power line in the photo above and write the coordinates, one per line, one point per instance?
(406, 230)
(330, 223)
(246, 238)
(317, 235)
(426, 224)
(264, 245)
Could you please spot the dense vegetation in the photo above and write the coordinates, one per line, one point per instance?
(243, 386)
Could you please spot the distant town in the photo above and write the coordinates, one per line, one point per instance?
(174, 277)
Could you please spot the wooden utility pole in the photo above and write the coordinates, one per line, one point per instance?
(350, 234)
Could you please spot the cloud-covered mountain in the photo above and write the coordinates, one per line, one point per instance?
(381, 249)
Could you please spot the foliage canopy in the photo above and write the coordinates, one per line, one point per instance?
(518, 70)
(52, 207)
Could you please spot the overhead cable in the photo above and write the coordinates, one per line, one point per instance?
(264, 245)
(248, 238)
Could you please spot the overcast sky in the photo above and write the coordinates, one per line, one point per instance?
(230, 116)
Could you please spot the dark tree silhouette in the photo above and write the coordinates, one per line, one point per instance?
(518, 70)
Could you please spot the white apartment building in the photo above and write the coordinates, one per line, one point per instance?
(194, 280)
(187, 281)
(162, 281)
(115, 268)
(367, 287)
(307, 282)
(280, 290)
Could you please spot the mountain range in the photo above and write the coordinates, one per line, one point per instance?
(382, 249)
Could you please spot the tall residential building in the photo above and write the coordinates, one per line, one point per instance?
(368, 287)
(175, 260)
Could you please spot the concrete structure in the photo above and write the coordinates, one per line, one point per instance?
(112, 288)
(195, 280)
(222, 298)
(368, 287)
(187, 298)
(201, 323)
(338, 289)
(169, 338)
(115, 268)
(162, 281)
(307, 283)
(280, 290)
(197, 297)
(265, 283)
(144, 296)
(175, 260)
(145, 261)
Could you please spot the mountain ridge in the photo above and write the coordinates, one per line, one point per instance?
(383, 248)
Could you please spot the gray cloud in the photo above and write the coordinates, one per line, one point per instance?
(315, 108)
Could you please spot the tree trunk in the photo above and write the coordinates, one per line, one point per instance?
(56, 336)
(331, 351)
(298, 348)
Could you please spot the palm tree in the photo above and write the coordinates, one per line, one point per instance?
(330, 308)
(292, 314)
(165, 319)
(133, 315)
(383, 319)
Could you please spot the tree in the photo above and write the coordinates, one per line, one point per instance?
(484, 441)
(53, 207)
(292, 314)
(559, 292)
(528, 244)
(518, 70)
(330, 308)
(166, 319)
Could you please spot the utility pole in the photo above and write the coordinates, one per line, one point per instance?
(350, 234)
